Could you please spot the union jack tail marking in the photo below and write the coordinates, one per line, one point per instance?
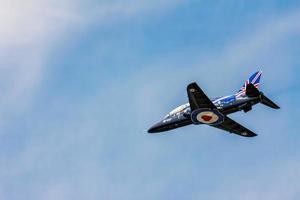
(254, 79)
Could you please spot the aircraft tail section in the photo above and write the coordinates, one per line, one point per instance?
(254, 79)
(252, 91)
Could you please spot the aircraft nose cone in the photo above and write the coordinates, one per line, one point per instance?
(154, 128)
(151, 130)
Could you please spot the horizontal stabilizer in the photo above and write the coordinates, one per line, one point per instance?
(266, 101)
(252, 91)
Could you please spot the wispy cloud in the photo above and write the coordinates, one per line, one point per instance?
(31, 30)
(27, 30)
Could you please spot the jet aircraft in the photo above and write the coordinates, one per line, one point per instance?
(214, 112)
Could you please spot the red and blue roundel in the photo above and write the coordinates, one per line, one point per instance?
(207, 116)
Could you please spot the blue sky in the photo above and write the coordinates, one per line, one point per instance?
(82, 81)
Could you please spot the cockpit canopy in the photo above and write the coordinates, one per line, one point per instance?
(177, 110)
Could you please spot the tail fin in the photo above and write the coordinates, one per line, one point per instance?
(254, 79)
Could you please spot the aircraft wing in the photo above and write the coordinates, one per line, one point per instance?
(197, 98)
(234, 127)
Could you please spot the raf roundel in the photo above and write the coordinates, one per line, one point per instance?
(206, 116)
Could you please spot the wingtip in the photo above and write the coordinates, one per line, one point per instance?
(192, 87)
(251, 135)
(192, 84)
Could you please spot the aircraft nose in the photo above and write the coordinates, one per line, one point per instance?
(151, 130)
(154, 128)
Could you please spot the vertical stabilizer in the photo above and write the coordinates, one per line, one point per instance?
(254, 79)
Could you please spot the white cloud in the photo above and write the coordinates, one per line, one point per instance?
(27, 30)
(34, 22)
(30, 29)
